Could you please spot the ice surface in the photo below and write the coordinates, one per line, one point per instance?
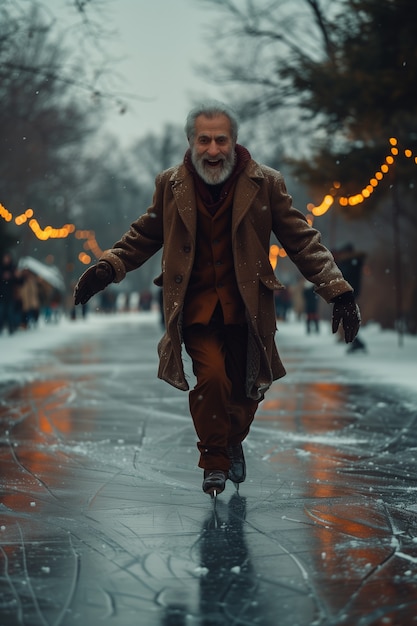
(102, 516)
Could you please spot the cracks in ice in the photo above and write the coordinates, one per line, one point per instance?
(73, 583)
(135, 535)
(38, 480)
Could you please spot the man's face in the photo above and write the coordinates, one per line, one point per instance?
(213, 149)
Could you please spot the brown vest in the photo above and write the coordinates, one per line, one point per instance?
(213, 278)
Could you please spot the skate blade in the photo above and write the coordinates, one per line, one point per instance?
(237, 486)
(213, 494)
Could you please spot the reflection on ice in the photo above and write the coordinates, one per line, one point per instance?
(102, 517)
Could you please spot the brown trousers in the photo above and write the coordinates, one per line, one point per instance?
(221, 412)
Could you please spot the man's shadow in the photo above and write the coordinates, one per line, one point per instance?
(228, 586)
(227, 583)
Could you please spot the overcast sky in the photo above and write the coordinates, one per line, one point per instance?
(160, 41)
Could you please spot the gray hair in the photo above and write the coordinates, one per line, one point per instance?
(211, 109)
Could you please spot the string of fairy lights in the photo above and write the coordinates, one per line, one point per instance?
(43, 234)
(91, 246)
(366, 192)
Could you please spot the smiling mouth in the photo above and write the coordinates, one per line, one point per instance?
(213, 163)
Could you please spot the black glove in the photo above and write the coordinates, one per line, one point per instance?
(95, 279)
(346, 310)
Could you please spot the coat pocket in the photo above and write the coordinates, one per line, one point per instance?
(271, 282)
(258, 295)
(267, 322)
(158, 281)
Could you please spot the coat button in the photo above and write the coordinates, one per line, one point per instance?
(178, 278)
(187, 249)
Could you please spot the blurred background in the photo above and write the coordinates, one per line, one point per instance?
(93, 100)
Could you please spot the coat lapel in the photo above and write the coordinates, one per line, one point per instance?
(246, 190)
(184, 195)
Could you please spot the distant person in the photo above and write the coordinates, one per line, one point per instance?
(145, 300)
(311, 308)
(107, 303)
(351, 262)
(54, 310)
(30, 299)
(297, 297)
(213, 215)
(282, 299)
(8, 282)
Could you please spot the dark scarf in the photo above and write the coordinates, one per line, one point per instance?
(213, 195)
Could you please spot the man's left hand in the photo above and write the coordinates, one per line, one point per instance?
(346, 311)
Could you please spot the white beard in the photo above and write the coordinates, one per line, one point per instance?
(213, 176)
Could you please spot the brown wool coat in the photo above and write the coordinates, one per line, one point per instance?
(261, 206)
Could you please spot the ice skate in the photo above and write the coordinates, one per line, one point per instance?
(237, 471)
(214, 482)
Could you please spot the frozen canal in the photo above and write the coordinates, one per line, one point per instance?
(103, 520)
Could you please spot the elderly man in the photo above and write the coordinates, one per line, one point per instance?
(214, 215)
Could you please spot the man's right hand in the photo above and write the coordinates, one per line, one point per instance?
(95, 279)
